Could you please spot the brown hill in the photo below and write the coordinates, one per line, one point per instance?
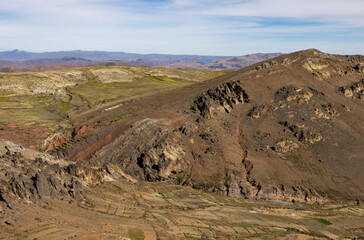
(281, 129)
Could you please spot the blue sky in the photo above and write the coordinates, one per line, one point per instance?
(209, 27)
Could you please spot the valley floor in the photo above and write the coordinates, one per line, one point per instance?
(117, 210)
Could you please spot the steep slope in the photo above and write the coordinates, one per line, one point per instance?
(287, 128)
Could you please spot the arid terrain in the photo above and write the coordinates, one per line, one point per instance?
(270, 151)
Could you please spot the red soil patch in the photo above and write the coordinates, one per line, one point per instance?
(30, 136)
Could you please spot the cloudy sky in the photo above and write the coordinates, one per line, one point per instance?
(210, 27)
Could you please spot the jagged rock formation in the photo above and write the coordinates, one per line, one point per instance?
(31, 180)
(221, 98)
(31, 176)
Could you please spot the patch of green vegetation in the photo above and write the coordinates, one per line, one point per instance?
(64, 107)
(323, 221)
(164, 80)
(157, 80)
(98, 85)
(171, 80)
(244, 225)
(219, 223)
(173, 193)
(6, 100)
(44, 96)
(136, 234)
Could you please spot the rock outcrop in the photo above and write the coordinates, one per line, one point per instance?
(31, 176)
(355, 91)
(32, 180)
(151, 150)
(220, 99)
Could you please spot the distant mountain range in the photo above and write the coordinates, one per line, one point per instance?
(230, 63)
(23, 59)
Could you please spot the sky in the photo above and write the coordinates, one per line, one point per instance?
(205, 27)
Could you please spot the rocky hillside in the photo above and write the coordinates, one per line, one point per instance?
(290, 128)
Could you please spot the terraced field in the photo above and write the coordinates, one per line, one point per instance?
(117, 210)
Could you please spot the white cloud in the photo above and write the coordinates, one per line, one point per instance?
(348, 11)
(178, 26)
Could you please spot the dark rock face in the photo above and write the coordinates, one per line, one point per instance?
(33, 180)
(221, 98)
(359, 68)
